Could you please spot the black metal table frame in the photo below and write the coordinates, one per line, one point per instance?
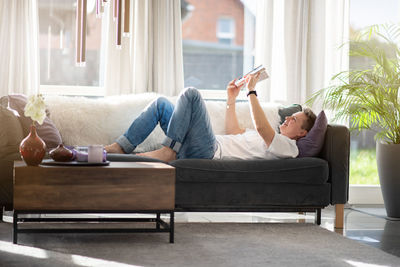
(160, 225)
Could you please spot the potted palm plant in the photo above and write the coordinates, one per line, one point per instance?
(369, 98)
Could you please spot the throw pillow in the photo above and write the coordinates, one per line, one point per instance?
(311, 144)
(288, 111)
(10, 132)
(47, 131)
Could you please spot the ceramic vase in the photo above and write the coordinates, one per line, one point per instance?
(32, 148)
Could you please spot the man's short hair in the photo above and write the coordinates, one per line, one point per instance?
(309, 122)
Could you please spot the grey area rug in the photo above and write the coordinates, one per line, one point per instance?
(196, 244)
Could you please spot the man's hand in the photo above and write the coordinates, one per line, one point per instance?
(251, 81)
(233, 90)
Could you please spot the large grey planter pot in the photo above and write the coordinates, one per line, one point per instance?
(388, 160)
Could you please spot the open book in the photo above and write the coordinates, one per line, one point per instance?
(260, 69)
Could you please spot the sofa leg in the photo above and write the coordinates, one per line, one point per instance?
(318, 216)
(339, 216)
(301, 220)
(1, 213)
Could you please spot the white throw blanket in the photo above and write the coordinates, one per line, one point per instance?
(84, 121)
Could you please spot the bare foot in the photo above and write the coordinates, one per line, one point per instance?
(114, 148)
(164, 153)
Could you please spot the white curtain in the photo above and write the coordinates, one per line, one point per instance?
(299, 42)
(151, 60)
(19, 52)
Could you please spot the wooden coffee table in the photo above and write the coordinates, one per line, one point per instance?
(121, 187)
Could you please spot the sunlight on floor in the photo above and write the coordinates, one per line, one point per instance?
(46, 254)
(363, 264)
(23, 250)
(363, 238)
(88, 261)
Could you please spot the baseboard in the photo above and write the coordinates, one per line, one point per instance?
(365, 194)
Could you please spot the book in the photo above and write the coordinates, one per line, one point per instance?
(260, 69)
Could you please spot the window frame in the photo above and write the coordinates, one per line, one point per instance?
(225, 35)
(81, 90)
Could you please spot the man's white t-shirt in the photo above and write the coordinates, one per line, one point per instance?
(250, 145)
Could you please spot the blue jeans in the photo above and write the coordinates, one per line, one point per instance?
(187, 126)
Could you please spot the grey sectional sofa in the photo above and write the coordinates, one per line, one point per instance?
(306, 184)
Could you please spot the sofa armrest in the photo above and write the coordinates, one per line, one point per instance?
(6, 184)
(6, 180)
(336, 151)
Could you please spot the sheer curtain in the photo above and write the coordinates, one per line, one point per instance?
(151, 60)
(299, 42)
(19, 58)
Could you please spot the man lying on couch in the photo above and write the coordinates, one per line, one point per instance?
(189, 133)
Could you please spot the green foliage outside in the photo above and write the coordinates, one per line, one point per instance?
(363, 168)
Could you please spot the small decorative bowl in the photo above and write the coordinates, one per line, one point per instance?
(61, 153)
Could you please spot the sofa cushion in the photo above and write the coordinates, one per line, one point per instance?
(288, 111)
(47, 131)
(114, 115)
(4, 101)
(311, 144)
(10, 132)
(296, 171)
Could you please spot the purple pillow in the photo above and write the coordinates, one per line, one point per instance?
(311, 144)
(47, 131)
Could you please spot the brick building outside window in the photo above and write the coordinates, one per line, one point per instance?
(215, 50)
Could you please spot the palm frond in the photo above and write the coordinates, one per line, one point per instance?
(369, 97)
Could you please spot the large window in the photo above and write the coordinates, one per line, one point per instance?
(218, 41)
(57, 45)
(364, 13)
(218, 44)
